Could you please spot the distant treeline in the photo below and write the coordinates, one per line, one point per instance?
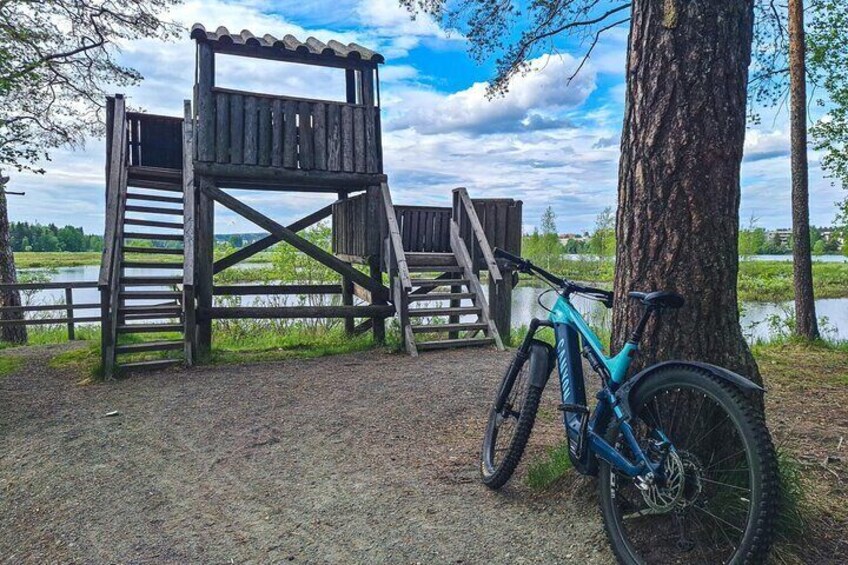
(37, 237)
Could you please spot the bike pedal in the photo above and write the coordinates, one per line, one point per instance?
(577, 408)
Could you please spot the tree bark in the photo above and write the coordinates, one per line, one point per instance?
(12, 333)
(677, 224)
(806, 325)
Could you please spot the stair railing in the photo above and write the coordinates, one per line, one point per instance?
(398, 268)
(467, 237)
(467, 221)
(110, 267)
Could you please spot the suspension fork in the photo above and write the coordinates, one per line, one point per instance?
(520, 358)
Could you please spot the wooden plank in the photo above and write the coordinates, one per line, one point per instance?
(359, 140)
(57, 321)
(266, 242)
(372, 150)
(347, 139)
(236, 129)
(251, 131)
(294, 312)
(290, 289)
(275, 179)
(290, 136)
(205, 104)
(334, 138)
(46, 286)
(277, 133)
(306, 147)
(264, 132)
(293, 239)
(319, 131)
(222, 128)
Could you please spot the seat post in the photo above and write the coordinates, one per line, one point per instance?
(636, 336)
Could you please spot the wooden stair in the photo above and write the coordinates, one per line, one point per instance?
(151, 305)
(452, 314)
(436, 290)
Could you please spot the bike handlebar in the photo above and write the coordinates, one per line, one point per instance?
(566, 286)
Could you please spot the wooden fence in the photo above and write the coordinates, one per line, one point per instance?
(69, 318)
(294, 133)
(424, 228)
(154, 141)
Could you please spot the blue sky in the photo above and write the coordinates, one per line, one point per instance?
(547, 143)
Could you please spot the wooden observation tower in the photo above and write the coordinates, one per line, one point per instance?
(166, 175)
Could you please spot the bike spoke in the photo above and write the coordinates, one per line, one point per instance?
(706, 480)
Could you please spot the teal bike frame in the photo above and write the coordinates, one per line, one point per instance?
(585, 433)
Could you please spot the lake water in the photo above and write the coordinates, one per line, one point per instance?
(756, 316)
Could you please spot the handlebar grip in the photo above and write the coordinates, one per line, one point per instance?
(502, 254)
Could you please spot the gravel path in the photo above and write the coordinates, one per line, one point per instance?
(369, 457)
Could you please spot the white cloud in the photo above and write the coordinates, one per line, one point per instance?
(535, 101)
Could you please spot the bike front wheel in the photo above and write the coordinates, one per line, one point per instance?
(512, 416)
(717, 500)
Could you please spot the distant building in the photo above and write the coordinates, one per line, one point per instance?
(564, 238)
(782, 235)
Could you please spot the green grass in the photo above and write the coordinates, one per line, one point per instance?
(9, 364)
(546, 470)
(246, 343)
(83, 362)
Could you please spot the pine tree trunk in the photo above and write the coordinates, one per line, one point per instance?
(678, 210)
(15, 333)
(806, 325)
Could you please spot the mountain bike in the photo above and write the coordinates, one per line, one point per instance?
(685, 464)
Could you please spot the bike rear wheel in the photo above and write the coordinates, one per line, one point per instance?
(509, 426)
(718, 502)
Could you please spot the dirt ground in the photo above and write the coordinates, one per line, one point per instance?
(361, 458)
(368, 457)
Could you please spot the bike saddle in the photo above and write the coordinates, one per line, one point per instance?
(659, 299)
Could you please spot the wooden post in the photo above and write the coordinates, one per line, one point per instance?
(205, 102)
(454, 303)
(204, 261)
(106, 345)
(377, 324)
(500, 304)
(69, 302)
(189, 245)
(347, 300)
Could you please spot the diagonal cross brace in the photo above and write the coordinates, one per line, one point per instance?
(268, 241)
(378, 290)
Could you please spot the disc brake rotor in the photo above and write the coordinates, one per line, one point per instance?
(666, 497)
